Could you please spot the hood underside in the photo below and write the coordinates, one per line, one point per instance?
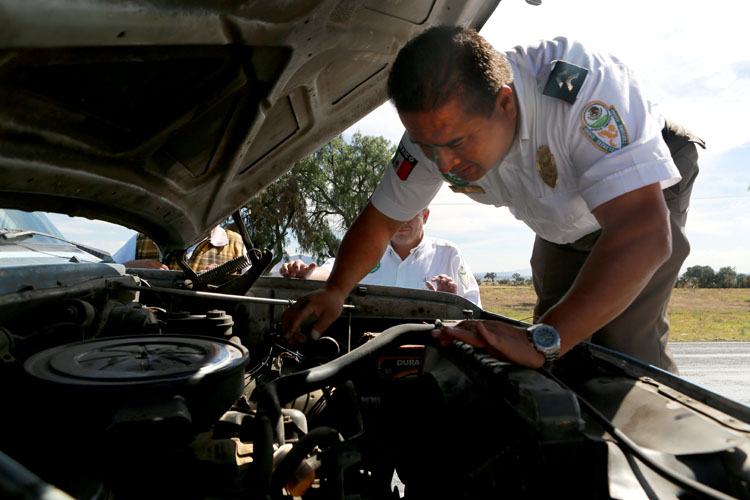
(166, 117)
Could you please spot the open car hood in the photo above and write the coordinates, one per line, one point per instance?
(166, 117)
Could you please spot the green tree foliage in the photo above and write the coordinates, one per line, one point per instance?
(705, 277)
(489, 277)
(726, 277)
(274, 214)
(337, 181)
(698, 277)
(319, 198)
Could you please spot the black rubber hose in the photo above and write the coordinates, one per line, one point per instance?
(270, 396)
(259, 482)
(303, 447)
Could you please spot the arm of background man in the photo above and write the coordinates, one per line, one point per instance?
(635, 241)
(360, 251)
(146, 264)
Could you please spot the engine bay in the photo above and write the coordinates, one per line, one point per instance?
(135, 386)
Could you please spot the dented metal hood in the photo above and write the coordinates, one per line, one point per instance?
(166, 116)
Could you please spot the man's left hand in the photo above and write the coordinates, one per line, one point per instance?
(443, 283)
(502, 340)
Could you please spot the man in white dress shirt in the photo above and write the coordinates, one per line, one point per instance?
(412, 260)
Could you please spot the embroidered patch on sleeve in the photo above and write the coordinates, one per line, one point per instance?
(565, 81)
(464, 276)
(403, 162)
(603, 126)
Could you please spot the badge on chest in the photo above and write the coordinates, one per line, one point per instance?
(545, 165)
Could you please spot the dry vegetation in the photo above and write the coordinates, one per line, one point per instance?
(694, 313)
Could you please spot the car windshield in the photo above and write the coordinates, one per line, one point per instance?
(31, 238)
(30, 221)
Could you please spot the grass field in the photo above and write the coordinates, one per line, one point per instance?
(694, 313)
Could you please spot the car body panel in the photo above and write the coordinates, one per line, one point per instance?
(167, 117)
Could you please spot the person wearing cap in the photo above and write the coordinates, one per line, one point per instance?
(215, 248)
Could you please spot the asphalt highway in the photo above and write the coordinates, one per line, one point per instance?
(721, 367)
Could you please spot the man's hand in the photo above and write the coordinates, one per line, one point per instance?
(146, 264)
(323, 305)
(360, 250)
(500, 339)
(443, 283)
(297, 269)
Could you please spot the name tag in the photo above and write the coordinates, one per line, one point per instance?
(467, 189)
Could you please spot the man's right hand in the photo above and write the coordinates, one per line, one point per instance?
(360, 250)
(323, 305)
(297, 269)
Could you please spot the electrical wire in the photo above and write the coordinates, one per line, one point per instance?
(629, 447)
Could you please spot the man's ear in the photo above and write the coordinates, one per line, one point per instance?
(506, 100)
(425, 215)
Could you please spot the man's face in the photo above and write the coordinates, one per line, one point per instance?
(468, 145)
(411, 233)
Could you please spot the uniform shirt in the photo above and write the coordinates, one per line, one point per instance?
(606, 143)
(431, 257)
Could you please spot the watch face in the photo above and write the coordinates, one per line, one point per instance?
(545, 337)
(545, 340)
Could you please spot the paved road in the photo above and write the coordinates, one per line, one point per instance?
(721, 367)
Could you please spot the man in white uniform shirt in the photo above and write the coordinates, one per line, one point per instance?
(412, 260)
(567, 140)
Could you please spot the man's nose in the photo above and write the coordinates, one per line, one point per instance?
(445, 160)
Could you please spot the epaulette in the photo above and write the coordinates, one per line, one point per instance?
(565, 81)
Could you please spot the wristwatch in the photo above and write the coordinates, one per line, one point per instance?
(545, 339)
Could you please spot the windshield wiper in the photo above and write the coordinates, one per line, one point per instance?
(11, 236)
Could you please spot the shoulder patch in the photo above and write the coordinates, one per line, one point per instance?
(565, 81)
(403, 162)
(603, 127)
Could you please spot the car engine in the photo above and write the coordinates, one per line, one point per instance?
(137, 385)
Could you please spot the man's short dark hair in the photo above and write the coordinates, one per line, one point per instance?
(444, 62)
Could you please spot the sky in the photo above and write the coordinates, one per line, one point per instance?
(692, 60)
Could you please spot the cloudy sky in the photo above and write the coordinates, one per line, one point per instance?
(692, 59)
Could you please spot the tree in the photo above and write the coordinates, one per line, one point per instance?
(743, 280)
(319, 198)
(726, 277)
(698, 277)
(489, 277)
(337, 181)
(274, 214)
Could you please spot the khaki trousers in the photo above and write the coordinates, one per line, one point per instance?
(642, 330)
